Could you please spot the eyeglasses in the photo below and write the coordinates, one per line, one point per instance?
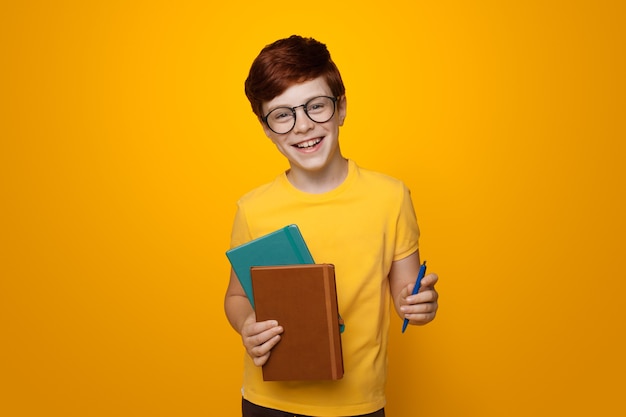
(282, 120)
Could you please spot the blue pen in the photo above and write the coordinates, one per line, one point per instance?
(418, 283)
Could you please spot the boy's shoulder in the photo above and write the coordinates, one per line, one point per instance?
(259, 191)
(377, 177)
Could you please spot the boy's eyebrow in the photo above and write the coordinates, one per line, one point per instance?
(312, 96)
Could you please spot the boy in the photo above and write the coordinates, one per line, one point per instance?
(361, 221)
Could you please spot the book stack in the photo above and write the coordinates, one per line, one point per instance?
(282, 282)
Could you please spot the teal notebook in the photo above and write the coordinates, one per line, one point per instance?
(284, 246)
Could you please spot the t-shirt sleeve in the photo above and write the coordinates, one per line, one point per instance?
(240, 232)
(407, 230)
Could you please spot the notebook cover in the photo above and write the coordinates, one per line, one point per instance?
(285, 246)
(303, 299)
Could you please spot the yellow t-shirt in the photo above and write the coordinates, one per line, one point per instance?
(361, 227)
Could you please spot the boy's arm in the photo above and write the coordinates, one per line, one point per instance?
(236, 303)
(258, 338)
(420, 308)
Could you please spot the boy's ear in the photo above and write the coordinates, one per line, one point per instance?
(342, 108)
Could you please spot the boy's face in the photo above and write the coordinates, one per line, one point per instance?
(309, 146)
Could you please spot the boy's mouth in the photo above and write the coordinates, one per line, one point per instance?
(308, 143)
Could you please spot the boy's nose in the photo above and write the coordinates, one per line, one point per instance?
(303, 122)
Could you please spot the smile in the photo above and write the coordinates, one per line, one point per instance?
(308, 143)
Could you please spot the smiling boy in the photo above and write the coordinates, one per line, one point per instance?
(362, 222)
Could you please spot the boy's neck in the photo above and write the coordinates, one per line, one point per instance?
(318, 182)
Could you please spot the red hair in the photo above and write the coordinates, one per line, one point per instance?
(287, 62)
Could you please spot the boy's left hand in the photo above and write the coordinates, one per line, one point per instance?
(420, 308)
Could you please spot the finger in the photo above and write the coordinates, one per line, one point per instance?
(421, 313)
(263, 337)
(253, 328)
(261, 360)
(420, 308)
(405, 292)
(429, 280)
(424, 296)
(265, 347)
(421, 319)
(261, 353)
(257, 333)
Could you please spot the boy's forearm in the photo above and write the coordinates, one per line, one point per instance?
(397, 304)
(238, 310)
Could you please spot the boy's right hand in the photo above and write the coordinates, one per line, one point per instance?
(259, 338)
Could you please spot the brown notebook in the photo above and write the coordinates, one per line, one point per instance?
(303, 299)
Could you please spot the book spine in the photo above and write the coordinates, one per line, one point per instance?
(292, 243)
(330, 316)
(302, 252)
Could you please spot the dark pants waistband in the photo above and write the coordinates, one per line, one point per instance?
(252, 410)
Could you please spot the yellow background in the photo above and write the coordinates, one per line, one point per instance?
(126, 139)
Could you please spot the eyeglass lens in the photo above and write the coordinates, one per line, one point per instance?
(283, 119)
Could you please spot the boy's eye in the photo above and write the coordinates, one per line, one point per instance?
(281, 114)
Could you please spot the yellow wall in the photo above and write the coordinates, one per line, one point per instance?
(126, 139)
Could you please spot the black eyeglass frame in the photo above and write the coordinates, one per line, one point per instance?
(304, 107)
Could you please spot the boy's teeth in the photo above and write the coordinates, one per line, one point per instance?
(308, 143)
